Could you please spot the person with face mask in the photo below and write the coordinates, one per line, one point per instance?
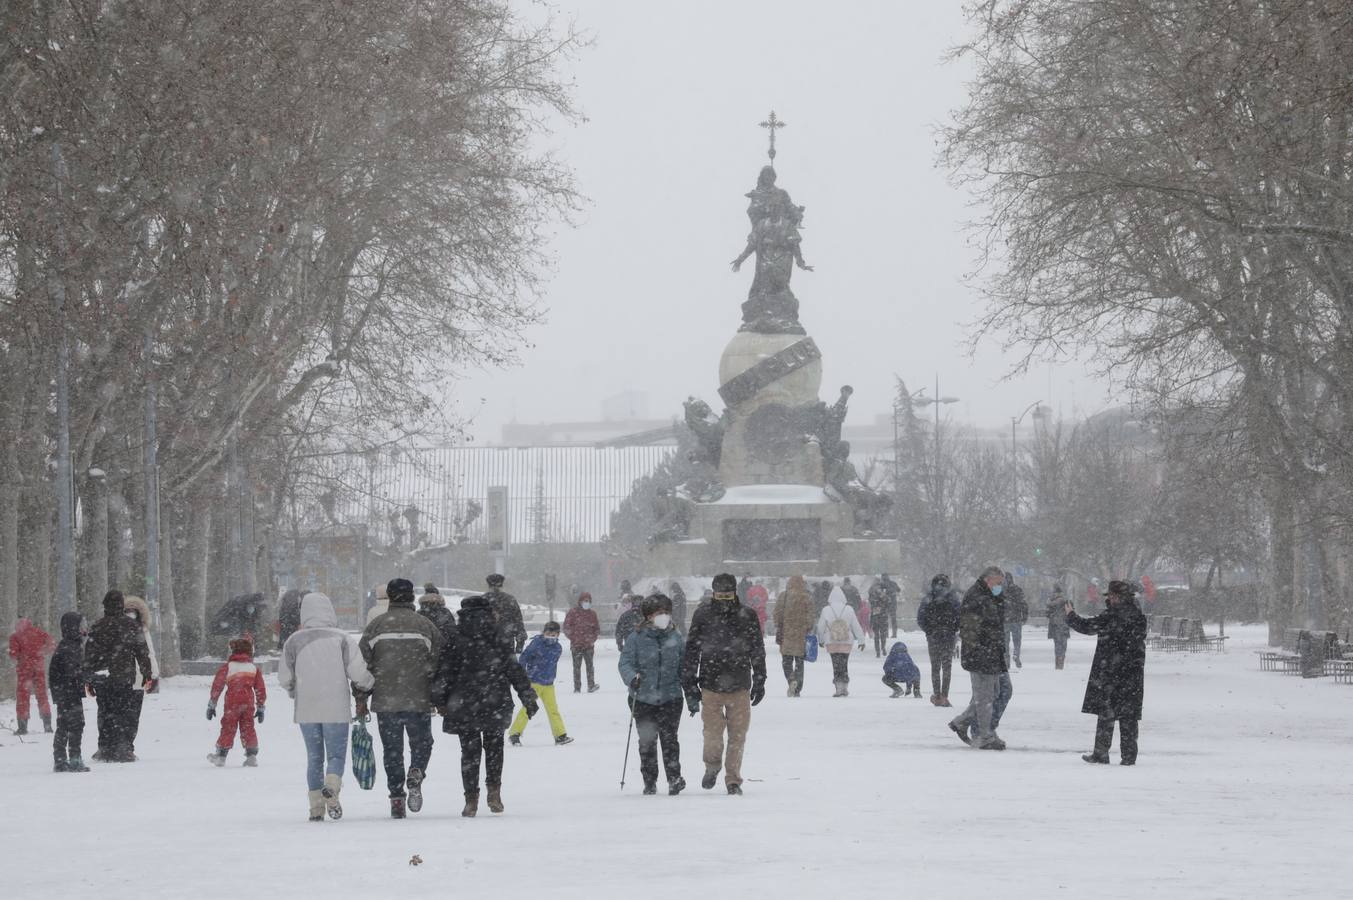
(582, 628)
(114, 656)
(540, 659)
(937, 616)
(651, 666)
(982, 631)
(724, 671)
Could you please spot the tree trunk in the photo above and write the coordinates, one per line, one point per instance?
(171, 663)
(1284, 584)
(93, 544)
(193, 574)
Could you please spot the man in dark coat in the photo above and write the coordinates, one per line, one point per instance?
(679, 611)
(1118, 672)
(822, 592)
(629, 621)
(1016, 614)
(511, 625)
(982, 630)
(432, 606)
(724, 670)
(288, 615)
(937, 616)
(853, 598)
(116, 651)
(475, 676)
(892, 591)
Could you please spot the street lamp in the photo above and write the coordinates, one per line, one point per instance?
(1037, 409)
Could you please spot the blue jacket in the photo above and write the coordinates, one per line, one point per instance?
(655, 656)
(899, 665)
(540, 659)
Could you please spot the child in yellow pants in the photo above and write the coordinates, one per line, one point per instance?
(540, 659)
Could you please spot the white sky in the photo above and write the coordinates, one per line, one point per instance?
(642, 297)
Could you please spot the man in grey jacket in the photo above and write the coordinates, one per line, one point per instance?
(401, 649)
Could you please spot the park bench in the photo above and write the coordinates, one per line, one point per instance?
(1202, 641)
(1284, 659)
(1159, 632)
(1180, 639)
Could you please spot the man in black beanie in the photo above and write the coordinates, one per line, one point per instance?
(115, 652)
(401, 649)
(724, 671)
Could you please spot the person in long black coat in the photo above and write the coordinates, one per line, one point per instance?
(1114, 690)
(476, 675)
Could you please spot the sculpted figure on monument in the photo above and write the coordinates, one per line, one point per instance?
(704, 485)
(843, 480)
(771, 307)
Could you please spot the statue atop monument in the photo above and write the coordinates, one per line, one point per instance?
(771, 307)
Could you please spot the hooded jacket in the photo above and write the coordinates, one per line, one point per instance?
(724, 651)
(938, 614)
(28, 645)
(794, 618)
(899, 666)
(581, 626)
(477, 672)
(838, 610)
(117, 647)
(65, 673)
(540, 659)
(242, 681)
(655, 655)
(320, 665)
(401, 649)
(136, 605)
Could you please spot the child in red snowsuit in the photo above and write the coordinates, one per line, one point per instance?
(242, 681)
(27, 646)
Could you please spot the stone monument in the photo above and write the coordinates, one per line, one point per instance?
(775, 491)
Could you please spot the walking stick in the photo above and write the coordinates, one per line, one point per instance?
(628, 737)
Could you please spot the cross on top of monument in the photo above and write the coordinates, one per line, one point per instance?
(772, 124)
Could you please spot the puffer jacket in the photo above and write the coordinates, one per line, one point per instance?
(321, 665)
(540, 659)
(477, 673)
(838, 610)
(655, 655)
(401, 649)
(28, 646)
(242, 681)
(794, 618)
(899, 665)
(724, 651)
(65, 673)
(117, 650)
(938, 615)
(581, 627)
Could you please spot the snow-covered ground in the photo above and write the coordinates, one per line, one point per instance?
(1242, 790)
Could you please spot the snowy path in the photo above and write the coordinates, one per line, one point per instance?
(1242, 790)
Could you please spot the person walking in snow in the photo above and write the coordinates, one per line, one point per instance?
(938, 618)
(838, 630)
(651, 666)
(66, 677)
(401, 649)
(29, 647)
(1016, 614)
(793, 624)
(507, 612)
(540, 659)
(899, 669)
(982, 630)
(1113, 692)
(724, 671)
(853, 599)
(288, 615)
(320, 668)
(432, 606)
(245, 695)
(629, 621)
(680, 614)
(891, 591)
(758, 598)
(114, 655)
(582, 628)
(475, 677)
(878, 617)
(1058, 631)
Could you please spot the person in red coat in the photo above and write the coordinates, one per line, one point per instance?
(582, 628)
(242, 681)
(29, 646)
(757, 598)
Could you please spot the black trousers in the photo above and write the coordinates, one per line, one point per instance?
(892, 617)
(880, 628)
(841, 667)
(658, 723)
(793, 666)
(119, 718)
(392, 727)
(579, 658)
(1127, 738)
(474, 743)
(941, 663)
(70, 729)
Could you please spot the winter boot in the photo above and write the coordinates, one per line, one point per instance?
(396, 807)
(593, 688)
(711, 776)
(944, 700)
(563, 739)
(961, 732)
(317, 806)
(897, 692)
(514, 740)
(735, 790)
(934, 699)
(76, 764)
(60, 766)
(333, 784)
(218, 757)
(1095, 758)
(676, 787)
(650, 788)
(23, 727)
(47, 724)
(1061, 662)
(994, 743)
(251, 757)
(471, 805)
(414, 784)
(840, 689)
(495, 798)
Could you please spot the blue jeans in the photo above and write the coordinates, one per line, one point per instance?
(392, 726)
(324, 741)
(1005, 689)
(1016, 636)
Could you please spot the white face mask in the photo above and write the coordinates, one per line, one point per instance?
(587, 605)
(551, 637)
(662, 620)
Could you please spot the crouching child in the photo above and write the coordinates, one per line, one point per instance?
(245, 695)
(899, 669)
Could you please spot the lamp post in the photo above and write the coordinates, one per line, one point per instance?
(1036, 408)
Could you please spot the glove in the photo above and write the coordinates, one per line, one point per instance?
(211, 712)
(258, 714)
(758, 693)
(531, 707)
(634, 684)
(862, 646)
(693, 703)
(362, 711)
(151, 685)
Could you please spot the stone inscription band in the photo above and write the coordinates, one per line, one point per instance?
(745, 386)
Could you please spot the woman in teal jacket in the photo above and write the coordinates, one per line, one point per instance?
(650, 663)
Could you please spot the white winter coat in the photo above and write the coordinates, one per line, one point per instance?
(837, 608)
(319, 662)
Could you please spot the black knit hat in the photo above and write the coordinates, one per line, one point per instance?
(725, 584)
(113, 603)
(399, 590)
(654, 604)
(495, 580)
(1125, 589)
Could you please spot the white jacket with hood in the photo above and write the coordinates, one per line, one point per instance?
(318, 664)
(838, 610)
